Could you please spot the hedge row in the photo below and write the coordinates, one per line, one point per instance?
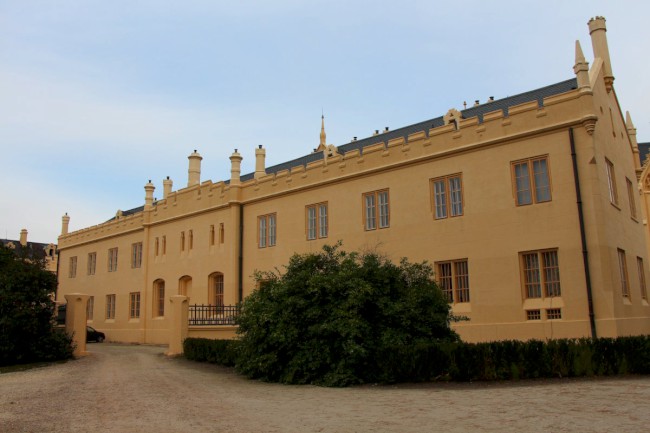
(458, 361)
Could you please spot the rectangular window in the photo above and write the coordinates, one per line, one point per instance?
(72, 270)
(90, 307)
(112, 260)
(531, 180)
(622, 267)
(136, 255)
(182, 241)
(110, 306)
(448, 196)
(540, 269)
(317, 221)
(642, 286)
(453, 278)
(212, 235)
(611, 182)
(164, 245)
(191, 239)
(533, 315)
(157, 247)
(134, 305)
(222, 233)
(553, 313)
(266, 225)
(376, 210)
(92, 263)
(630, 196)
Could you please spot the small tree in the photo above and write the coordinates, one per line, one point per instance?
(27, 311)
(328, 318)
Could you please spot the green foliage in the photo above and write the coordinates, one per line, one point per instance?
(502, 360)
(331, 316)
(222, 352)
(27, 331)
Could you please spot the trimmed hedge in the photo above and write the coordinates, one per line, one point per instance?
(458, 361)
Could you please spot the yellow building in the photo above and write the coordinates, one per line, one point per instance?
(529, 207)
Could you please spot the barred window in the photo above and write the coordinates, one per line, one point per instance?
(533, 315)
(553, 313)
(642, 286)
(611, 182)
(159, 298)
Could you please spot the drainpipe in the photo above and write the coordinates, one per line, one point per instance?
(583, 237)
(241, 253)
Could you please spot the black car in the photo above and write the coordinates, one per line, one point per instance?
(93, 335)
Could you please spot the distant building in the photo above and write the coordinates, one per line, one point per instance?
(33, 250)
(532, 210)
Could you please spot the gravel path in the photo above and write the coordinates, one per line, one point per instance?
(124, 388)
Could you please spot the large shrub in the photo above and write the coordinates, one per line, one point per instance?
(27, 331)
(330, 317)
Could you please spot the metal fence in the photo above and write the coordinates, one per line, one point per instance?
(208, 315)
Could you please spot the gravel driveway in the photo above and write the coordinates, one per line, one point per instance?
(127, 388)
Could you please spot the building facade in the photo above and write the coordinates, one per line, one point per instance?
(34, 250)
(529, 208)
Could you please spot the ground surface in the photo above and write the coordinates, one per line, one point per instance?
(123, 388)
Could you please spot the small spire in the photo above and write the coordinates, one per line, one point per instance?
(628, 121)
(323, 143)
(581, 68)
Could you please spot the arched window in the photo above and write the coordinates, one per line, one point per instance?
(159, 298)
(215, 283)
(185, 286)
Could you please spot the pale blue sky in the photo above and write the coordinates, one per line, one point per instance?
(97, 97)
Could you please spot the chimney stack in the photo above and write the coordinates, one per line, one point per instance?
(64, 224)
(167, 187)
(148, 195)
(235, 168)
(598, 32)
(23, 237)
(260, 157)
(194, 171)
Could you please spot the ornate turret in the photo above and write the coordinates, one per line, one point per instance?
(260, 158)
(148, 195)
(65, 222)
(598, 32)
(194, 170)
(235, 168)
(167, 187)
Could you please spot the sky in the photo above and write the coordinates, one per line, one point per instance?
(98, 97)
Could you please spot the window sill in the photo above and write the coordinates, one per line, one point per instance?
(615, 205)
(461, 307)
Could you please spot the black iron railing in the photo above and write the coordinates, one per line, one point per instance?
(207, 315)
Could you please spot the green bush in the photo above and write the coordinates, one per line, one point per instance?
(331, 317)
(222, 352)
(27, 331)
(458, 361)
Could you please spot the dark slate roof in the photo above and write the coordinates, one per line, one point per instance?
(500, 104)
(477, 111)
(130, 212)
(31, 250)
(644, 149)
